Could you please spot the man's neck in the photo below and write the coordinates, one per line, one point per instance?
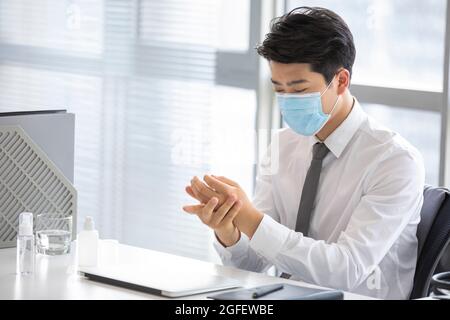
(343, 110)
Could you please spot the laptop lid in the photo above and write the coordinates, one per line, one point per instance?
(162, 280)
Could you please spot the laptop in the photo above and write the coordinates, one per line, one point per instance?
(166, 281)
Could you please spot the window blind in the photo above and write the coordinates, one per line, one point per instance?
(139, 75)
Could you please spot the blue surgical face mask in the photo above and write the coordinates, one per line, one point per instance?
(303, 113)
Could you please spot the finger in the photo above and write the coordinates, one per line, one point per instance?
(198, 194)
(194, 209)
(203, 189)
(229, 217)
(222, 211)
(191, 193)
(226, 180)
(216, 184)
(208, 209)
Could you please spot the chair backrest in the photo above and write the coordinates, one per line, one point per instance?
(433, 234)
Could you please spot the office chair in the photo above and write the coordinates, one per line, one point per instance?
(433, 234)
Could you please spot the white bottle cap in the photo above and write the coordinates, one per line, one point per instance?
(89, 223)
(26, 224)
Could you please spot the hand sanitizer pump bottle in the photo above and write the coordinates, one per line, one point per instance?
(25, 245)
(88, 244)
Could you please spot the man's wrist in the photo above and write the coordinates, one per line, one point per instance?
(228, 239)
(248, 222)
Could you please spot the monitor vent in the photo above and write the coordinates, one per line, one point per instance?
(29, 181)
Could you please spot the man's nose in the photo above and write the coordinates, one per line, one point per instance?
(289, 89)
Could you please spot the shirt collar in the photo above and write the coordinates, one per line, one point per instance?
(341, 136)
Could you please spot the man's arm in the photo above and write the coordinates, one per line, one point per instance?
(393, 195)
(241, 255)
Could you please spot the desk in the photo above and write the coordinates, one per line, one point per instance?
(57, 278)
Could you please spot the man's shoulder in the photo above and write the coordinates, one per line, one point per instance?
(377, 134)
(388, 144)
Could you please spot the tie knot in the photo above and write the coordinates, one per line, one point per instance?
(320, 150)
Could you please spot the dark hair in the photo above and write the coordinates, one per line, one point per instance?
(312, 35)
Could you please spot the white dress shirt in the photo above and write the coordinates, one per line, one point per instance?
(362, 236)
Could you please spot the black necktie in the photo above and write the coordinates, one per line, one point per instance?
(309, 191)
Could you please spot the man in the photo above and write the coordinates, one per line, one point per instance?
(342, 209)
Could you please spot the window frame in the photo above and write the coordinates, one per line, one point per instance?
(444, 165)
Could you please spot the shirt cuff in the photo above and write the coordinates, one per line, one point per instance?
(237, 249)
(269, 237)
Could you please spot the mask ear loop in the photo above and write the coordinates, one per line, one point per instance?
(328, 87)
(335, 104)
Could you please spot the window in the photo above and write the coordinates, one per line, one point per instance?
(399, 74)
(233, 36)
(387, 34)
(72, 26)
(151, 111)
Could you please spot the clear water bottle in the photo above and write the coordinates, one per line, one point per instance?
(25, 245)
(87, 242)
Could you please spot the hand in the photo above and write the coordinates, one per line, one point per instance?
(221, 188)
(201, 192)
(221, 220)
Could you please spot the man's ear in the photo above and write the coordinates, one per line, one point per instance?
(343, 77)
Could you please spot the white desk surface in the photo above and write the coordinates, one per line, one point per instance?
(57, 278)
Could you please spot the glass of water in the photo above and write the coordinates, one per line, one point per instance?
(53, 234)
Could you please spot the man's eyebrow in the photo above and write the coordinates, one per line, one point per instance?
(291, 83)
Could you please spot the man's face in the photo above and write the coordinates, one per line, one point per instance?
(298, 78)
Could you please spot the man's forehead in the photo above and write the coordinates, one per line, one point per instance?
(290, 67)
(292, 73)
